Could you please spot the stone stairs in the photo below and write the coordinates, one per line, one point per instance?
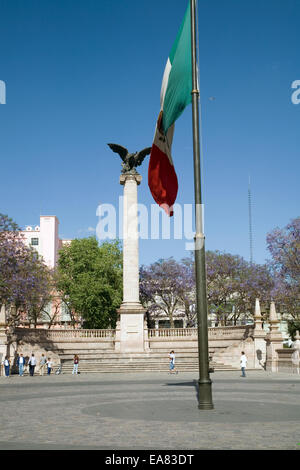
(152, 361)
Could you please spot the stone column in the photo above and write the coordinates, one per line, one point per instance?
(296, 354)
(3, 335)
(259, 339)
(274, 340)
(131, 324)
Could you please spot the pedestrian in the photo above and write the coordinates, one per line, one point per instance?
(49, 366)
(43, 361)
(172, 363)
(6, 364)
(20, 364)
(243, 362)
(75, 366)
(32, 364)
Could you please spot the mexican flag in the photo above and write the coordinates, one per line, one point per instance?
(175, 95)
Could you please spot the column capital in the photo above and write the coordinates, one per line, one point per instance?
(130, 177)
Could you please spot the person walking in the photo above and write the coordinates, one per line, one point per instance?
(49, 366)
(172, 363)
(43, 361)
(21, 364)
(76, 363)
(243, 362)
(6, 364)
(32, 364)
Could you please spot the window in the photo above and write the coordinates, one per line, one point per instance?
(34, 241)
(64, 312)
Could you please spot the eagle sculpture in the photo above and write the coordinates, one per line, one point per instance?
(130, 160)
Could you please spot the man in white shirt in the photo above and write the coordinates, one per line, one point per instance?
(172, 363)
(21, 363)
(243, 362)
(32, 364)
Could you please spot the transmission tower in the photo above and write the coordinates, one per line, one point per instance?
(250, 222)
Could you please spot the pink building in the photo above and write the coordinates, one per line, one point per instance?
(44, 238)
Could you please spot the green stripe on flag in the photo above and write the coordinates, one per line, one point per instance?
(179, 88)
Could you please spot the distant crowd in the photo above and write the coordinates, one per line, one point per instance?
(29, 364)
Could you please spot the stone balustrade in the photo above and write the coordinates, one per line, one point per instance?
(66, 340)
(229, 332)
(213, 333)
(218, 337)
(164, 334)
(172, 332)
(56, 335)
(53, 335)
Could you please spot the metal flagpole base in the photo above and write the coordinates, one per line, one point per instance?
(205, 396)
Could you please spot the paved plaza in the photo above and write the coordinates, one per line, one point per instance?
(149, 411)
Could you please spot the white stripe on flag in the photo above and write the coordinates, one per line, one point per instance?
(165, 83)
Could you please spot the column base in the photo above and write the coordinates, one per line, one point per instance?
(205, 401)
(132, 332)
(131, 307)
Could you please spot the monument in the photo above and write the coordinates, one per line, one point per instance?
(274, 340)
(259, 335)
(130, 334)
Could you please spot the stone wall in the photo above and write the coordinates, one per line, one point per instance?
(225, 344)
(59, 342)
(178, 338)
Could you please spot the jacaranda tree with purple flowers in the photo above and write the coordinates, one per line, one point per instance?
(25, 281)
(233, 284)
(284, 246)
(163, 285)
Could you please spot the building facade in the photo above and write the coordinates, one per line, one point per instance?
(45, 239)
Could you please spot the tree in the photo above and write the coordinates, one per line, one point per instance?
(233, 284)
(11, 250)
(253, 281)
(162, 287)
(25, 281)
(188, 294)
(38, 288)
(222, 273)
(90, 280)
(284, 246)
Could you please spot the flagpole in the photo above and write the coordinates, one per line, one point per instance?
(205, 389)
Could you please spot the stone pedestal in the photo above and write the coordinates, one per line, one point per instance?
(296, 343)
(130, 329)
(259, 336)
(296, 354)
(274, 341)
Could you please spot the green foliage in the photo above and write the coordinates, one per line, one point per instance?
(90, 280)
(293, 326)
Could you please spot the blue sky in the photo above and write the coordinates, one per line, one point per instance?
(80, 74)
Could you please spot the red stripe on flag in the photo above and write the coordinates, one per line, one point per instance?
(162, 180)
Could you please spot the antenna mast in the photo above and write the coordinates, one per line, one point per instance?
(250, 221)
